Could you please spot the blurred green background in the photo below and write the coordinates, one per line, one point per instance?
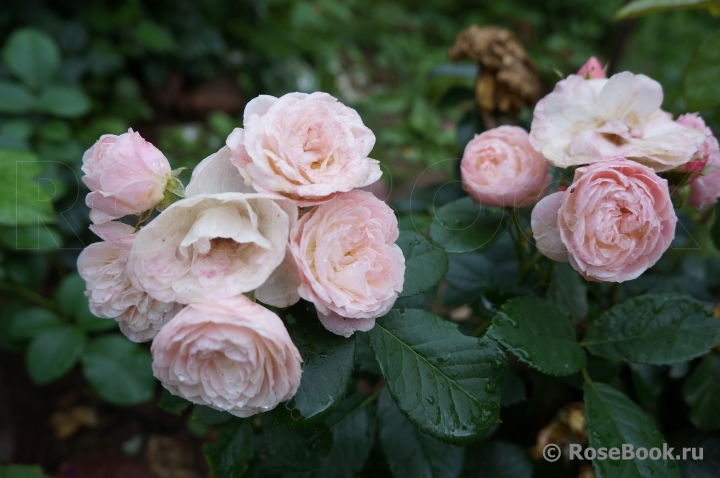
(180, 73)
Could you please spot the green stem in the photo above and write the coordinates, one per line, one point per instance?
(586, 375)
(30, 296)
(480, 329)
(362, 405)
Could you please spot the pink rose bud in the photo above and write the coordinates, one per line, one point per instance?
(306, 148)
(349, 264)
(109, 290)
(232, 355)
(125, 174)
(500, 168)
(211, 246)
(705, 183)
(592, 69)
(614, 222)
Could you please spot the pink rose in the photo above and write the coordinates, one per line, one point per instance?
(111, 294)
(231, 354)
(125, 174)
(500, 168)
(705, 188)
(615, 221)
(349, 264)
(217, 174)
(592, 69)
(589, 121)
(211, 246)
(305, 147)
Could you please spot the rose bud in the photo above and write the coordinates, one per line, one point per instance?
(592, 69)
(500, 168)
(125, 174)
(705, 165)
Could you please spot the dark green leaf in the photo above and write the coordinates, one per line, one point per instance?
(701, 88)
(654, 329)
(353, 429)
(71, 296)
(702, 392)
(210, 416)
(497, 459)
(154, 37)
(513, 390)
(40, 238)
(568, 291)
(53, 352)
(172, 403)
(119, 370)
(21, 471)
(23, 201)
(328, 361)
(411, 453)
(228, 456)
(32, 56)
(15, 98)
(468, 275)
(63, 101)
(364, 358)
(538, 334)
(300, 449)
(446, 384)
(463, 226)
(425, 263)
(715, 227)
(638, 8)
(614, 420)
(27, 323)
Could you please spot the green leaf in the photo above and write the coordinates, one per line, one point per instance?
(28, 205)
(53, 352)
(498, 459)
(15, 98)
(56, 131)
(63, 101)
(654, 329)
(446, 384)
(228, 456)
(702, 392)
(411, 453)
(568, 291)
(71, 296)
(614, 420)
(328, 361)
(700, 86)
(40, 238)
(22, 471)
(425, 263)
(27, 323)
(468, 275)
(638, 8)
(210, 416)
(300, 449)
(172, 403)
(463, 226)
(32, 56)
(715, 227)
(154, 37)
(353, 429)
(119, 370)
(538, 334)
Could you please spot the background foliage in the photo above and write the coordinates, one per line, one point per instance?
(180, 73)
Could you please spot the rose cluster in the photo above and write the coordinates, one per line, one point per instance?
(274, 216)
(616, 218)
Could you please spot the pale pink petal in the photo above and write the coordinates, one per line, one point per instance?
(544, 223)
